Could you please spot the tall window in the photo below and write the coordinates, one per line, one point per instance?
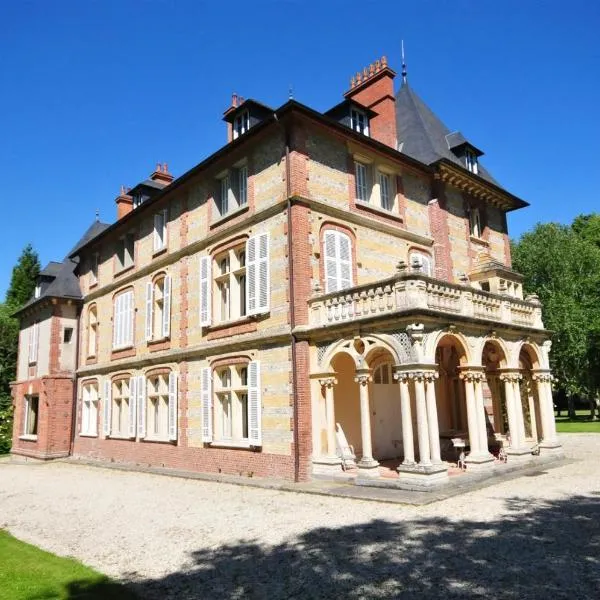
(382, 375)
(34, 338)
(158, 308)
(241, 124)
(230, 284)
(123, 320)
(92, 338)
(125, 251)
(361, 178)
(89, 409)
(236, 282)
(94, 269)
(338, 261)
(359, 121)
(233, 189)
(475, 222)
(236, 417)
(31, 414)
(157, 407)
(421, 263)
(123, 408)
(38, 291)
(385, 191)
(471, 162)
(160, 230)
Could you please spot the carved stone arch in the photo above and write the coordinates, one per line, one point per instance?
(349, 346)
(514, 349)
(432, 341)
(403, 346)
(345, 346)
(502, 350)
(533, 353)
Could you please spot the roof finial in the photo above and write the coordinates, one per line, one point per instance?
(291, 92)
(97, 216)
(404, 78)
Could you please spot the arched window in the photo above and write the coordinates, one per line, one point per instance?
(338, 261)
(382, 375)
(421, 263)
(158, 308)
(92, 330)
(89, 409)
(123, 312)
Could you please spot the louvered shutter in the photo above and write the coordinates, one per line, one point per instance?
(330, 247)
(165, 231)
(116, 321)
(149, 310)
(132, 406)
(172, 406)
(130, 315)
(206, 401)
(106, 406)
(254, 404)
(205, 291)
(166, 324)
(251, 275)
(158, 231)
(345, 261)
(263, 292)
(141, 406)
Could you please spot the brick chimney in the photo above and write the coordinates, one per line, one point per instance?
(374, 89)
(235, 102)
(124, 203)
(161, 174)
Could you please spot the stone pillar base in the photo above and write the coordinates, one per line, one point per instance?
(551, 450)
(368, 468)
(422, 476)
(479, 462)
(519, 455)
(327, 465)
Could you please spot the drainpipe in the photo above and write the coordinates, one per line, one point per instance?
(74, 414)
(288, 185)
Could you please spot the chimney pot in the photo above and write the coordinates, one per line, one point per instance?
(234, 99)
(165, 168)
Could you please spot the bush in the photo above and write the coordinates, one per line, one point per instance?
(6, 424)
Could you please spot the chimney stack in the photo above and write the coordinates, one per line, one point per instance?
(373, 88)
(161, 174)
(124, 203)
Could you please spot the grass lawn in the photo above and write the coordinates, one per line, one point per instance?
(28, 573)
(580, 424)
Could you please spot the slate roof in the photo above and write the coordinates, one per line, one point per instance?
(51, 269)
(423, 136)
(95, 229)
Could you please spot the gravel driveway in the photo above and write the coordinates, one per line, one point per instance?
(533, 537)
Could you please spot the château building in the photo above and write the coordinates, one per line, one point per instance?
(326, 292)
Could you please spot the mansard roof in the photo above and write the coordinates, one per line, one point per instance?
(95, 229)
(423, 136)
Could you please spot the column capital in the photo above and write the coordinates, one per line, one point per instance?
(417, 372)
(362, 376)
(328, 381)
(471, 374)
(511, 376)
(542, 376)
(423, 375)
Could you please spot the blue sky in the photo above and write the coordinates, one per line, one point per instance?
(95, 93)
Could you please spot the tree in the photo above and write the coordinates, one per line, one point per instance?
(22, 286)
(23, 278)
(562, 265)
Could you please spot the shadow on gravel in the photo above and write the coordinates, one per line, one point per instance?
(537, 550)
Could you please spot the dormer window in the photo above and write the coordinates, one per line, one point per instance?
(359, 121)
(38, 291)
(471, 162)
(241, 124)
(139, 199)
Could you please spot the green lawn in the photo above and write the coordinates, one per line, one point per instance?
(580, 424)
(28, 573)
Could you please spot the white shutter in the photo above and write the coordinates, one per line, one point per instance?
(106, 406)
(263, 292)
(36, 340)
(116, 321)
(130, 315)
(344, 262)
(149, 310)
(132, 405)
(158, 230)
(251, 275)
(172, 406)
(206, 400)
(141, 406)
(331, 278)
(166, 324)
(205, 291)
(254, 404)
(165, 228)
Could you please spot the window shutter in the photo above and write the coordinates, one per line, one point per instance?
(116, 321)
(172, 406)
(141, 406)
(243, 185)
(263, 292)
(331, 279)
(165, 231)
(205, 291)
(106, 405)
(130, 315)
(206, 400)
(158, 230)
(251, 275)
(149, 309)
(254, 404)
(345, 261)
(132, 405)
(166, 324)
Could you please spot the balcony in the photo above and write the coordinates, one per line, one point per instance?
(410, 292)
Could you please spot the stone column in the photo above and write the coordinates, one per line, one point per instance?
(481, 420)
(514, 409)
(367, 464)
(519, 408)
(407, 427)
(544, 386)
(328, 383)
(473, 423)
(432, 417)
(422, 420)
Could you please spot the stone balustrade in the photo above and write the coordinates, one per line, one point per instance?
(415, 291)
